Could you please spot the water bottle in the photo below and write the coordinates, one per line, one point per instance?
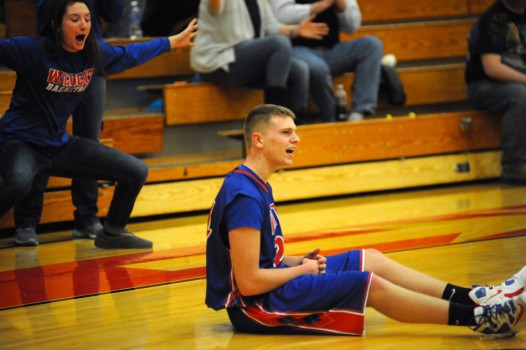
(341, 103)
(135, 20)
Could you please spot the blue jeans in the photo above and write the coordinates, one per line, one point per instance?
(506, 100)
(25, 167)
(267, 62)
(362, 56)
(87, 121)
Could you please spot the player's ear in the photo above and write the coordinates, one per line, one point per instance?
(257, 139)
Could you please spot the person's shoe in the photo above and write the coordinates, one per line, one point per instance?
(355, 117)
(501, 320)
(514, 176)
(489, 295)
(122, 240)
(88, 232)
(26, 236)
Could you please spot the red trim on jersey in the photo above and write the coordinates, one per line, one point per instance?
(258, 180)
(335, 321)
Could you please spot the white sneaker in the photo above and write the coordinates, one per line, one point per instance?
(355, 117)
(490, 295)
(501, 320)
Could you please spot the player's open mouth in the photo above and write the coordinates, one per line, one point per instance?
(80, 38)
(290, 150)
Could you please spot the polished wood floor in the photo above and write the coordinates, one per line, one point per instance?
(66, 294)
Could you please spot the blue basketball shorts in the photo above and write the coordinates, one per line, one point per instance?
(333, 302)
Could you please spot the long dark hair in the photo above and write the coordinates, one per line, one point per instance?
(51, 30)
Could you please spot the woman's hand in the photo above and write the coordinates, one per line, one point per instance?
(184, 38)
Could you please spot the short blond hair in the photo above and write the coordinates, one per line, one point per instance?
(260, 116)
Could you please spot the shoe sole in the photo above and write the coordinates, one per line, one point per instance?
(80, 235)
(30, 243)
(497, 336)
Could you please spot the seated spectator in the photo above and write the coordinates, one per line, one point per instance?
(330, 56)
(496, 78)
(255, 52)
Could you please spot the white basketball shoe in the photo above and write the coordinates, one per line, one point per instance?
(501, 320)
(490, 295)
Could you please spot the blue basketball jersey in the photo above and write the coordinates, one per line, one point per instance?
(250, 204)
(333, 302)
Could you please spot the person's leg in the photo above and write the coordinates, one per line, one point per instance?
(336, 301)
(498, 320)
(87, 122)
(402, 275)
(297, 92)
(21, 164)
(506, 100)
(364, 57)
(405, 305)
(320, 81)
(407, 295)
(426, 299)
(261, 62)
(28, 211)
(267, 63)
(92, 160)
(385, 268)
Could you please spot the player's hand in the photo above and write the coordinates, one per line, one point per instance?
(184, 38)
(311, 266)
(320, 259)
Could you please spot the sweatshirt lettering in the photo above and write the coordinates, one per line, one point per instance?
(59, 81)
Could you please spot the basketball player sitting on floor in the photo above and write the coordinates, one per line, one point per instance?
(266, 291)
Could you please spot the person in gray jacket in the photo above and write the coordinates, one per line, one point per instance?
(255, 52)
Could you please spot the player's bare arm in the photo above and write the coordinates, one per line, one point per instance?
(252, 280)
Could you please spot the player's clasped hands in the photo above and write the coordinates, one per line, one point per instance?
(318, 261)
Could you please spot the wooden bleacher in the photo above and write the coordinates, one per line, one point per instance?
(443, 42)
(429, 40)
(375, 155)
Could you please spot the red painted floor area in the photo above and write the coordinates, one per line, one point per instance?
(102, 275)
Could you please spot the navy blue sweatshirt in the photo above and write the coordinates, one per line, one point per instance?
(47, 91)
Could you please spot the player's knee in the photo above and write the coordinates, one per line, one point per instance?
(373, 252)
(377, 290)
(374, 259)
